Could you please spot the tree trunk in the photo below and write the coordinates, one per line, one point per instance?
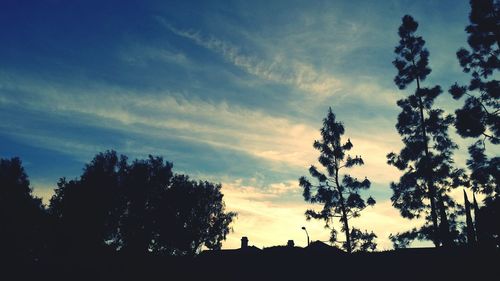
(344, 213)
(430, 185)
(346, 226)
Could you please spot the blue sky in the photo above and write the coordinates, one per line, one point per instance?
(229, 91)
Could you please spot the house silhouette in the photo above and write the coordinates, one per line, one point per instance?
(286, 251)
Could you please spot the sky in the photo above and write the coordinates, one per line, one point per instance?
(229, 91)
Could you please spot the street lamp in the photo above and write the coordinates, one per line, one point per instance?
(304, 228)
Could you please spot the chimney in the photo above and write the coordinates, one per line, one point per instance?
(290, 243)
(244, 242)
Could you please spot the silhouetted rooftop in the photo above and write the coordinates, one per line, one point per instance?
(319, 246)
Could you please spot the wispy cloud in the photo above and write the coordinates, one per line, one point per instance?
(278, 69)
(140, 55)
(279, 140)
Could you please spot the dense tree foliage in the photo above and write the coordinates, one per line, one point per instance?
(488, 224)
(340, 195)
(139, 208)
(479, 118)
(193, 216)
(22, 216)
(426, 158)
(86, 209)
(133, 208)
(480, 115)
(144, 184)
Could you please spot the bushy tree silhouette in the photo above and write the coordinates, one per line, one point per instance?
(138, 208)
(426, 158)
(339, 195)
(88, 209)
(191, 215)
(487, 224)
(144, 184)
(22, 215)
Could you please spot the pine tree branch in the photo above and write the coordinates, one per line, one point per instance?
(480, 102)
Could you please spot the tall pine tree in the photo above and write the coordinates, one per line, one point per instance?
(340, 195)
(480, 116)
(426, 158)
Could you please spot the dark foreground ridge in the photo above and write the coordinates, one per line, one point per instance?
(316, 262)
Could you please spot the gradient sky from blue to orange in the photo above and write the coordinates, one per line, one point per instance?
(229, 91)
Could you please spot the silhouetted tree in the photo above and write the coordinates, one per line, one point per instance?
(22, 215)
(88, 209)
(138, 208)
(144, 184)
(426, 158)
(403, 240)
(470, 230)
(480, 116)
(191, 215)
(488, 225)
(339, 195)
(363, 241)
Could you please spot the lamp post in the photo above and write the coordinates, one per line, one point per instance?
(304, 228)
